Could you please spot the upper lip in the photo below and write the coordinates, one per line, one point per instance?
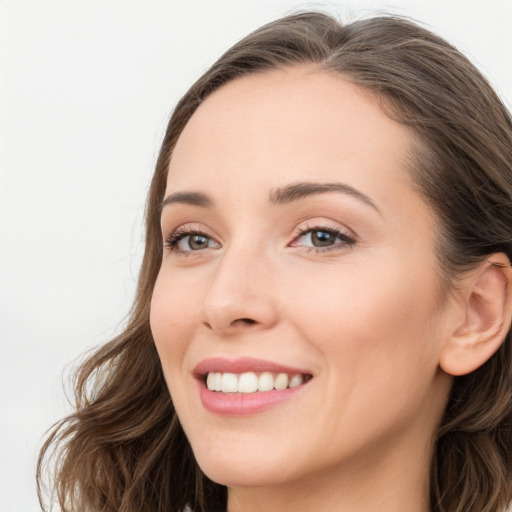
(243, 365)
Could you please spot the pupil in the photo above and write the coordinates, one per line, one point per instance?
(321, 238)
(198, 242)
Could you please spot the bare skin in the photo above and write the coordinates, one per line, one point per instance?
(342, 283)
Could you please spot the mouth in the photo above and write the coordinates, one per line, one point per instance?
(247, 386)
(252, 382)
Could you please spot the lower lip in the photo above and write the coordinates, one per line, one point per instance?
(244, 404)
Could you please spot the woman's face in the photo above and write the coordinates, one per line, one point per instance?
(298, 254)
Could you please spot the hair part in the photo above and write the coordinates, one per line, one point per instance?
(124, 445)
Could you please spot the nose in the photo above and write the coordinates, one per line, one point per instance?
(241, 296)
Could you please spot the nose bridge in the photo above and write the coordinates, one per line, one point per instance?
(240, 294)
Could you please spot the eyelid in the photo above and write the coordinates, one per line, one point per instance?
(348, 238)
(324, 224)
(174, 236)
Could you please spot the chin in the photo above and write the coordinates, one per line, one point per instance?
(250, 476)
(236, 467)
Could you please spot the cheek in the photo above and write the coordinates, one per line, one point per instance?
(377, 340)
(173, 308)
(368, 324)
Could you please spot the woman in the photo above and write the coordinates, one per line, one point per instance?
(324, 303)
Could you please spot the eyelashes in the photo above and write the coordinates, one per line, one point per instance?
(319, 239)
(323, 239)
(197, 240)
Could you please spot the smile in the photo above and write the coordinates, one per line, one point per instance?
(246, 386)
(251, 382)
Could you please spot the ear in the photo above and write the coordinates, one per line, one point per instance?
(486, 313)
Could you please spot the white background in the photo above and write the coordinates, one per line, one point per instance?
(86, 90)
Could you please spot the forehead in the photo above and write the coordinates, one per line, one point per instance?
(290, 125)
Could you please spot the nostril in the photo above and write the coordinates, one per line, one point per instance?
(239, 322)
(248, 321)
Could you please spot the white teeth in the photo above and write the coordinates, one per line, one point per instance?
(250, 382)
(217, 383)
(229, 383)
(281, 381)
(210, 380)
(295, 381)
(266, 382)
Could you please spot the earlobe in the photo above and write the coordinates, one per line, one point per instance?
(486, 318)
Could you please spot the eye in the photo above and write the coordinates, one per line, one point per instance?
(323, 239)
(185, 241)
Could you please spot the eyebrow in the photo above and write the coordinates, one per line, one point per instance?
(190, 198)
(295, 191)
(277, 196)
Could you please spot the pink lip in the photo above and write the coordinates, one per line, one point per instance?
(242, 365)
(243, 404)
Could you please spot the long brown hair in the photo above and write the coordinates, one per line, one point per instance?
(124, 450)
